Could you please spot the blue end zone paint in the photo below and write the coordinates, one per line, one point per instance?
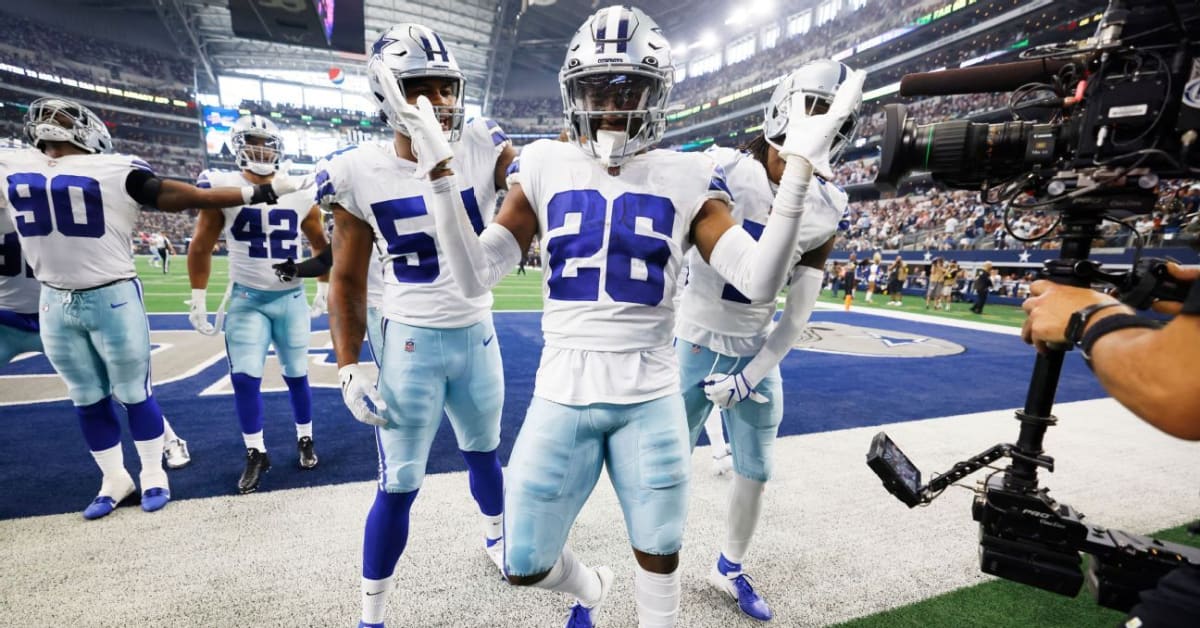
(46, 468)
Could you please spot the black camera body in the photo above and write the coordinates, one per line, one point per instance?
(1126, 101)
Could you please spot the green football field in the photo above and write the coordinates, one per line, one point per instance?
(996, 603)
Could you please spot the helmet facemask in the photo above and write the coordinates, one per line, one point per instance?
(59, 120)
(615, 113)
(257, 152)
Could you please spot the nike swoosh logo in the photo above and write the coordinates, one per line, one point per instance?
(369, 594)
(489, 340)
(117, 305)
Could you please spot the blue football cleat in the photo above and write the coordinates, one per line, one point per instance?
(581, 616)
(155, 498)
(105, 504)
(363, 624)
(728, 577)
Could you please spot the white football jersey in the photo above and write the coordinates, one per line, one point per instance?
(713, 313)
(260, 236)
(375, 278)
(157, 241)
(18, 289)
(73, 215)
(379, 188)
(612, 249)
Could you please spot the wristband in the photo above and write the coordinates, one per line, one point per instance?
(262, 193)
(1108, 325)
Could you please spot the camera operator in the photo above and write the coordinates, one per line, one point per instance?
(1150, 370)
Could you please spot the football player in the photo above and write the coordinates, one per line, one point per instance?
(74, 207)
(443, 353)
(616, 218)
(726, 341)
(263, 311)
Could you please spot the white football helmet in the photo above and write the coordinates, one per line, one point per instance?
(411, 51)
(261, 159)
(615, 83)
(818, 81)
(62, 120)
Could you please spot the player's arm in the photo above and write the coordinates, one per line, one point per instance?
(348, 284)
(199, 265)
(758, 269)
(502, 163)
(168, 195)
(314, 230)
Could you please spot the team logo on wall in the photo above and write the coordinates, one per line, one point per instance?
(853, 340)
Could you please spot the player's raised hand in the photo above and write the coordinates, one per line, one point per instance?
(198, 313)
(361, 396)
(428, 141)
(726, 390)
(812, 136)
(282, 183)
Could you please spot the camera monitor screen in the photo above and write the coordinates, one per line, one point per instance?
(335, 24)
(900, 476)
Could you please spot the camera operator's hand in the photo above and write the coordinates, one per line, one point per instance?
(1050, 306)
(1181, 274)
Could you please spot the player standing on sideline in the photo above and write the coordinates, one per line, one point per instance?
(616, 218)
(443, 354)
(165, 250)
(873, 275)
(262, 310)
(726, 341)
(155, 244)
(74, 208)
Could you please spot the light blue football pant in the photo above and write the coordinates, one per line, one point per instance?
(14, 341)
(375, 334)
(424, 371)
(752, 427)
(556, 462)
(256, 319)
(99, 341)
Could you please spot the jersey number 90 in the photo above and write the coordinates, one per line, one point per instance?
(38, 212)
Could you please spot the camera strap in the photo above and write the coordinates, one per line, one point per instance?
(1109, 324)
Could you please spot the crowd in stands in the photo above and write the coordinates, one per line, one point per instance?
(93, 96)
(30, 44)
(177, 226)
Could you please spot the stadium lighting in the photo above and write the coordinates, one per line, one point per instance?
(735, 18)
(708, 39)
(762, 7)
(679, 48)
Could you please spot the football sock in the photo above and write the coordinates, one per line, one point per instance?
(745, 504)
(145, 419)
(255, 441)
(248, 401)
(486, 479)
(303, 429)
(301, 397)
(168, 433)
(150, 452)
(570, 576)
(374, 599)
(493, 527)
(98, 421)
(657, 597)
(112, 467)
(385, 534)
(713, 428)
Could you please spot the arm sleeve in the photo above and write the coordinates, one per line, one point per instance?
(316, 266)
(477, 262)
(143, 187)
(801, 298)
(758, 269)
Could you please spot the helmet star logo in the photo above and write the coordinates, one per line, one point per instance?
(381, 43)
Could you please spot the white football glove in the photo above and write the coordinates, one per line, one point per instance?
(811, 137)
(428, 140)
(361, 396)
(282, 183)
(320, 304)
(198, 312)
(727, 390)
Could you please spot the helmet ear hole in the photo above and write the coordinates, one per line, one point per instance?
(650, 61)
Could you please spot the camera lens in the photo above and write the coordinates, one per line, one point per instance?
(956, 153)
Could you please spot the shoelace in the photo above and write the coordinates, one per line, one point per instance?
(154, 492)
(743, 586)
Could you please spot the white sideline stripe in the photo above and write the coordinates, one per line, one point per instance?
(832, 544)
(926, 318)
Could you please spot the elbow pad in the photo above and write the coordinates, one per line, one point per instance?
(143, 187)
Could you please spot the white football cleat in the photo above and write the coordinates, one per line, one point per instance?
(495, 551)
(175, 452)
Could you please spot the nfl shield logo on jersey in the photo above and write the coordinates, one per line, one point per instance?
(409, 345)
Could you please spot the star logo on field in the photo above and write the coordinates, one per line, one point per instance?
(1024, 256)
(895, 341)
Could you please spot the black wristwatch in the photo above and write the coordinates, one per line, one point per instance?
(1079, 320)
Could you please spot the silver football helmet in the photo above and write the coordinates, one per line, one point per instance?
(818, 81)
(411, 51)
(615, 83)
(62, 120)
(260, 158)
